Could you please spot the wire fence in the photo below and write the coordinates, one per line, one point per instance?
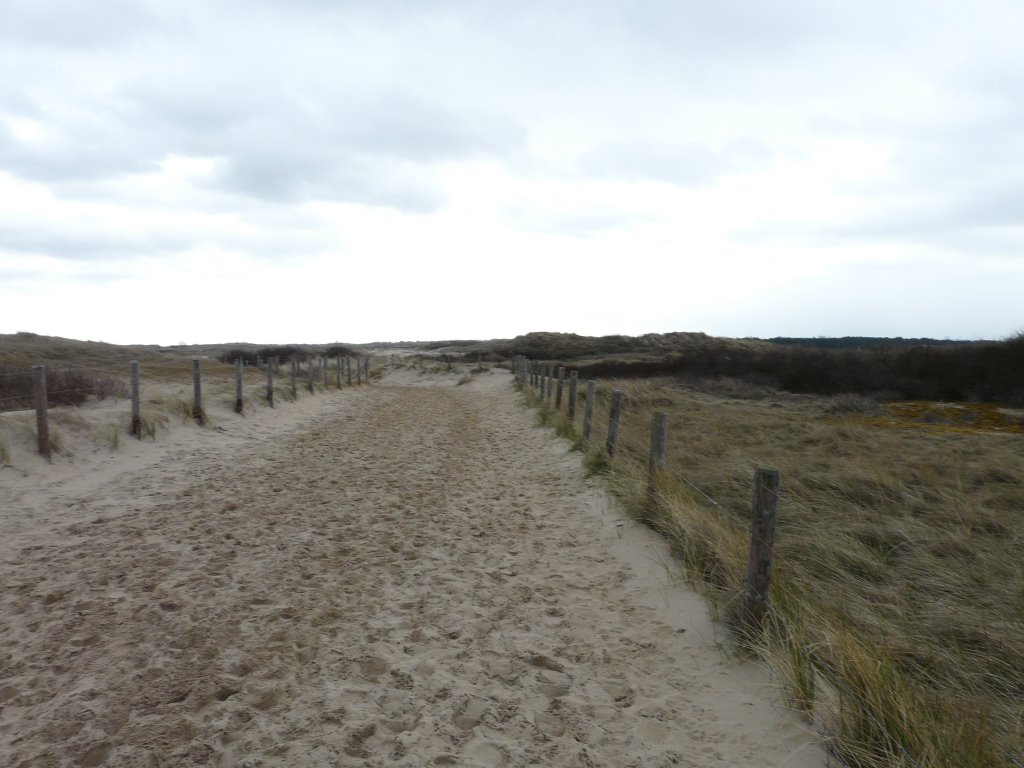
(856, 705)
(43, 387)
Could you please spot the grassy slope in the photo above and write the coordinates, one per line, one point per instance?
(899, 591)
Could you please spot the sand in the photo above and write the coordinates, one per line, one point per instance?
(408, 574)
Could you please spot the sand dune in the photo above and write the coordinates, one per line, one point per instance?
(409, 574)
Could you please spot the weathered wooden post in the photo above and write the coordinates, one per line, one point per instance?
(337, 362)
(561, 387)
(238, 385)
(762, 541)
(270, 383)
(309, 373)
(366, 366)
(277, 363)
(348, 368)
(136, 428)
(550, 386)
(197, 394)
(323, 361)
(295, 376)
(614, 417)
(656, 461)
(588, 412)
(359, 371)
(39, 401)
(573, 386)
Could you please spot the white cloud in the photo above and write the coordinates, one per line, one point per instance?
(486, 169)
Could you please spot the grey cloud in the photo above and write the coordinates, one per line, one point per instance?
(77, 23)
(376, 147)
(959, 192)
(76, 245)
(262, 233)
(340, 177)
(687, 164)
(405, 125)
(952, 182)
(86, 147)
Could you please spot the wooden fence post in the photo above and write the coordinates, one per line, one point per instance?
(197, 394)
(588, 412)
(659, 439)
(348, 368)
(762, 540)
(573, 386)
(39, 400)
(614, 417)
(238, 385)
(323, 361)
(549, 383)
(295, 376)
(561, 387)
(136, 428)
(270, 383)
(309, 373)
(359, 371)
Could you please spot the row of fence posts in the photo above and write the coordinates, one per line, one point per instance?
(545, 379)
(272, 365)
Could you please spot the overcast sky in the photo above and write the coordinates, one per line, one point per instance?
(320, 170)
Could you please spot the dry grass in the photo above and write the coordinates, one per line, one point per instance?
(101, 420)
(898, 595)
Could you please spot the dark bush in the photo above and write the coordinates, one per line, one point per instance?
(979, 372)
(64, 386)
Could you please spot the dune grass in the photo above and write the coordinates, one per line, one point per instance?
(897, 622)
(100, 416)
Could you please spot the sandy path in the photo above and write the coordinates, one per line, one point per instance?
(409, 574)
